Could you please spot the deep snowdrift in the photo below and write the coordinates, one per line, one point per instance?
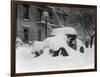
(25, 61)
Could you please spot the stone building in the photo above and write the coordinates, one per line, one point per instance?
(36, 22)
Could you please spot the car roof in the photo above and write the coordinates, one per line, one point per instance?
(64, 30)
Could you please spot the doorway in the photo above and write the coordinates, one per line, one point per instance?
(26, 34)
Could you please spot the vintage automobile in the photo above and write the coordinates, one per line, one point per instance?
(60, 41)
(71, 38)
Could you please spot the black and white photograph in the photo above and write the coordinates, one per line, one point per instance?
(54, 38)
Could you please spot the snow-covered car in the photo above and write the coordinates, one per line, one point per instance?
(62, 40)
(70, 38)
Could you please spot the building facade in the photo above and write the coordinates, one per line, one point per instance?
(36, 22)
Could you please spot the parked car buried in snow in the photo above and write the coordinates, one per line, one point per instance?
(71, 38)
(61, 41)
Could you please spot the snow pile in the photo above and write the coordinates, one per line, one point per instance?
(38, 45)
(25, 62)
(64, 31)
(19, 42)
(79, 44)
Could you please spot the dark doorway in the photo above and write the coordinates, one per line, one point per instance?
(26, 38)
(39, 35)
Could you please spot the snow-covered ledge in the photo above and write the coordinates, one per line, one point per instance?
(26, 26)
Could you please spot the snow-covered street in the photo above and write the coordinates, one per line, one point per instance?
(26, 62)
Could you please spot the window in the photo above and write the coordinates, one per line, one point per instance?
(51, 17)
(26, 11)
(39, 14)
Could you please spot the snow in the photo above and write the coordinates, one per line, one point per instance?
(38, 45)
(25, 62)
(79, 44)
(56, 42)
(64, 30)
